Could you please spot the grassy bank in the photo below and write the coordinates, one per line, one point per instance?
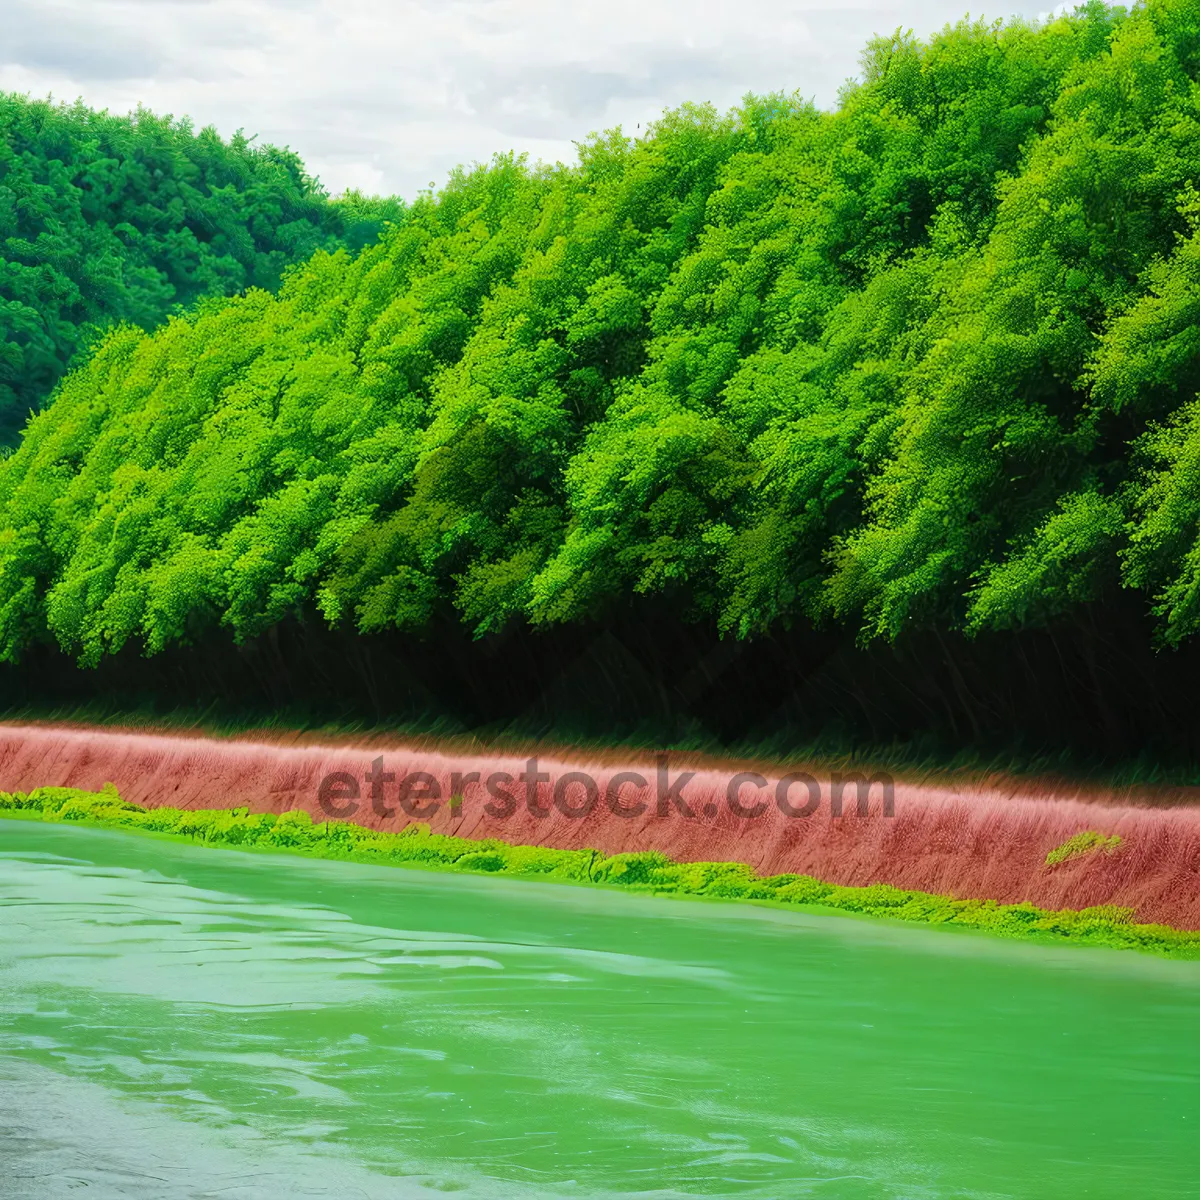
(644, 872)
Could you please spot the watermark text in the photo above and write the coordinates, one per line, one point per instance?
(573, 794)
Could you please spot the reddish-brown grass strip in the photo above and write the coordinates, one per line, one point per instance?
(969, 842)
(1030, 783)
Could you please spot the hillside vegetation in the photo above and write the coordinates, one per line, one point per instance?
(113, 218)
(929, 361)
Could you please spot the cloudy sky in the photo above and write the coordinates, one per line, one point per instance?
(388, 95)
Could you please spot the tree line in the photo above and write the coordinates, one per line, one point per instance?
(926, 362)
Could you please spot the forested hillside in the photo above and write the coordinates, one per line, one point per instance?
(925, 365)
(106, 218)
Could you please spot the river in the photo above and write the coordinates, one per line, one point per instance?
(178, 1021)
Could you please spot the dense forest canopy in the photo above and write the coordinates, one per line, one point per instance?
(930, 360)
(106, 218)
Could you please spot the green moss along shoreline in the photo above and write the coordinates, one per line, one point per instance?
(647, 871)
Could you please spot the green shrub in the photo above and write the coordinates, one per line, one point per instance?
(1079, 844)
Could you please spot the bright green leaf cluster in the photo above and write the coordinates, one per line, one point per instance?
(1079, 844)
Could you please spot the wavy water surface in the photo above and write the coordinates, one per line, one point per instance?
(191, 1022)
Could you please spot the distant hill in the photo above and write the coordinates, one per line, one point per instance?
(120, 218)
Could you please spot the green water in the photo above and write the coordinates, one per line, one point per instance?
(186, 1022)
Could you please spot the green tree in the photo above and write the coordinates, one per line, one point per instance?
(107, 219)
(927, 361)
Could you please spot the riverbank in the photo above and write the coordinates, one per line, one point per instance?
(647, 871)
(969, 843)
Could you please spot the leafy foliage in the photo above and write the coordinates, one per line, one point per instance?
(106, 218)
(929, 360)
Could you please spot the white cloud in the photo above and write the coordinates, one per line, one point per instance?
(388, 96)
(1060, 10)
